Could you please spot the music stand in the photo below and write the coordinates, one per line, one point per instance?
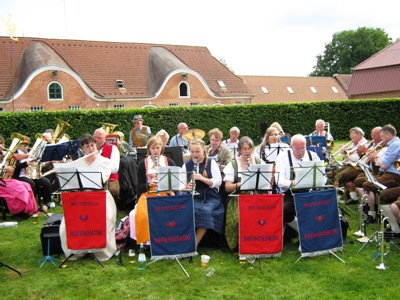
(59, 151)
(4, 265)
(170, 178)
(258, 177)
(78, 179)
(380, 187)
(310, 175)
(317, 144)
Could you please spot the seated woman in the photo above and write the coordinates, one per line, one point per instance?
(147, 187)
(95, 162)
(232, 183)
(271, 146)
(164, 136)
(17, 194)
(204, 171)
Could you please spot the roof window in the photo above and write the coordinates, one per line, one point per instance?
(221, 84)
(313, 89)
(335, 90)
(120, 84)
(265, 90)
(290, 90)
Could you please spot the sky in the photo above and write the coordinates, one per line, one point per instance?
(254, 37)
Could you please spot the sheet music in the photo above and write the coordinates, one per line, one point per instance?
(371, 177)
(69, 176)
(304, 176)
(274, 150)
(249, 178)
(171, 178)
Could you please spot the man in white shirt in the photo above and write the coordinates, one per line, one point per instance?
(233, 142)
(110, 151)
(284, 175)
(177, 140)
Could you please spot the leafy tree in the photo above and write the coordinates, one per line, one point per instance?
(349, 48)
(223, 62)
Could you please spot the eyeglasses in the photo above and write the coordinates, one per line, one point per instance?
(299, 149)
(23, 145)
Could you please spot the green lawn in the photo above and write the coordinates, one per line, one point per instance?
(322, 277)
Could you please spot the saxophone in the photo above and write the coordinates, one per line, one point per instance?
(9, 156)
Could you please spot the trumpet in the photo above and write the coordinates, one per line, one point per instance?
(364, 159)
(396, 164)
(344, 146)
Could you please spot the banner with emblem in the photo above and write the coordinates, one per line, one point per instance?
(85, 219)
(319, 224)
(260, 225)
(171, 224)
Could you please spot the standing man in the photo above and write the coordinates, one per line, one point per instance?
(139, 134)
(286, 160)
(177, 140)
(233, 142)
(109, 151)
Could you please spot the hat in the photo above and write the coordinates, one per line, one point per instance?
(137, 118)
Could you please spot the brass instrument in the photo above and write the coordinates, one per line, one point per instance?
(61, 128)
(381, 235)
(329, 143)
(9, 156)
(109, 128)
(396, 164)
(33, 172)
(364, 159)
(344, 146)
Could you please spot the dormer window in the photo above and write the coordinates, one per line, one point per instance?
(221, 84)
(120, 84)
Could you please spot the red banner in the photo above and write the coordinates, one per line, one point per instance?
(85, 219)
(260, 224)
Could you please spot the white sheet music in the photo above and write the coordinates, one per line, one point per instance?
(305, 175)
(69, 178)
(249, 178)
(171, 178)
(371, 177)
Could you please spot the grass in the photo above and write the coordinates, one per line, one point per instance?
(322, 277)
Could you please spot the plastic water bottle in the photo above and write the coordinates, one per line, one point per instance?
(141, 259)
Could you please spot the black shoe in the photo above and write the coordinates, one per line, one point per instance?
(351, 201)
(370, 219)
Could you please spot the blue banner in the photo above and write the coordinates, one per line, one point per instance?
(318, 220)
(171, 224)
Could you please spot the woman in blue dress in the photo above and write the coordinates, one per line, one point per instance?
(204, 177)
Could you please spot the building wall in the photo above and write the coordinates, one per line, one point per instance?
(74, 95)
(393, 94)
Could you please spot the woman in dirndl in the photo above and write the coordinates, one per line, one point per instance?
(147, 187)
(204, 178)
(232, 184)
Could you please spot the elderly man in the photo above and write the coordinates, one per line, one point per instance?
(284, 176)
(389, 176)
(348, 173)
(177, 140)
(233, 142)
(320, 130)
(139, 134)
(109, 151)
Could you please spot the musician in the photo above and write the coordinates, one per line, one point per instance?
(18, 195)
(147, 173)
(279, 127)
(271, 146)
(232, 183)
(233, 142)
(93, 161)
(109, 151)
(370, 154)
(389, 176)
(208, 208)
(320, 130)
(139, 134)
(41, 186)
(216, 151)
(284, 174)
(164, 136)
(178, 140)
(347, 174)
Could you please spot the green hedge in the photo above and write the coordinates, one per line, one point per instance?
(294, 118)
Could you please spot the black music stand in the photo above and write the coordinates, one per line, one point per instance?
(73, 179)
(275, 149)
(4, 265)
(258, 177)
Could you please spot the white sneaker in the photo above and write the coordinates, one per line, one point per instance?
(51, 204)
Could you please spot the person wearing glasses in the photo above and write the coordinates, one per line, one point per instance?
(140, 133)
(284, 175)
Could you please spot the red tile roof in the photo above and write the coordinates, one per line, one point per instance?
(100, 64)
(278, 89)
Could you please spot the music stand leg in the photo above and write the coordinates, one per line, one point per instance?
(96, 259)
(4, 265)
(48, 257)
(334, 254)
(372, 236)
(183, 269)
(72, 254)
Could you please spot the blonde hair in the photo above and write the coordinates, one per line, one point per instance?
(200, 142)
(268, 132)
(154, 140)
(163, 132)
(217, 133)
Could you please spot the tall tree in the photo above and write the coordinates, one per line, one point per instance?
(349, 48)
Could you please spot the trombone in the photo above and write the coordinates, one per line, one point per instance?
(364, 159)
(342, 147)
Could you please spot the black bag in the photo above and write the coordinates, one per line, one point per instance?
(50, 235)
(344, 224)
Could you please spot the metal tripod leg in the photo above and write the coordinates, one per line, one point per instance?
(375, 233)
(4, 265)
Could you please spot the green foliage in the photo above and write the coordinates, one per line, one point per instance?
(349, 48)
(294, 118)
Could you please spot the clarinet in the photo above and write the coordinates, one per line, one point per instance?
(195, 171)
(248, 167)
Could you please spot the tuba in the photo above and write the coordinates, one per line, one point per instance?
(36, 151)
(59, 133)
(9, 156)
(109, 128)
